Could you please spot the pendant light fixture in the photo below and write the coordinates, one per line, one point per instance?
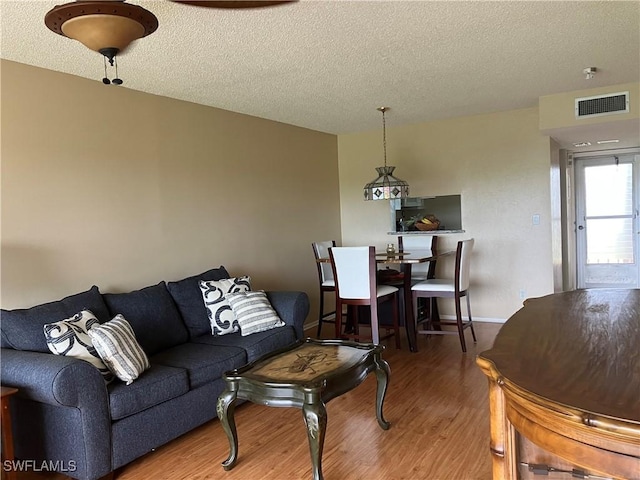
(386, 186)
(105, 26)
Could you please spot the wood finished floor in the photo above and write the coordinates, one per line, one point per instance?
(436, 402)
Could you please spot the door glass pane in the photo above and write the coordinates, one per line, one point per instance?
(610, 240)
(609, 190)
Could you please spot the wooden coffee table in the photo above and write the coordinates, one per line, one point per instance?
(306, 375)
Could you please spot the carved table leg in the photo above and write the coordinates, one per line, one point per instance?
(382, 375)
(503, 438)
(315, 417)
(225, 408)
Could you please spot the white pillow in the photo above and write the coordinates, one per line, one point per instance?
(253, 312)
(214, 292)
(116, 344)
(69, 338)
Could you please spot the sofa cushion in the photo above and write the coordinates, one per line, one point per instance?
(255, 345)
(159, 384)
(69, 338)
(204, 363)
(118, 348)
(22, 328)
(153, 315)
(214, 294)
(188, 297)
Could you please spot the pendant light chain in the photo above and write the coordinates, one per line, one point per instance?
(116, 80)
(384, 135)
(105, 80)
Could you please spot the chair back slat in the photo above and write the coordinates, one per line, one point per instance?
(352, 271)
(463, 263)
(407, 242)
(321, 250)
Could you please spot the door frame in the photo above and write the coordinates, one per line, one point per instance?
(570, 223)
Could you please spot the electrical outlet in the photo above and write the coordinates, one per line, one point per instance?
(535, 219)
(522, 293)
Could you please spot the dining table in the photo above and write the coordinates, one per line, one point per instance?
(405, 259)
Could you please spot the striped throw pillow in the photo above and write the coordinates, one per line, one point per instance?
(253, 312)
(116, 344)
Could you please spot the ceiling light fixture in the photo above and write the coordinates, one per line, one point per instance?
(582, 144)
(386, 186)
(105, 26)
(604, 142)
(109, 26)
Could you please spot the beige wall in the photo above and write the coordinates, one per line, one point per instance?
(499, 163)
(108, 186)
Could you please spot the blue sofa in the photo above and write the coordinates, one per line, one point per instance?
(67, 416)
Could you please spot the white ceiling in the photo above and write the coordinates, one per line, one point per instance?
(326, 65)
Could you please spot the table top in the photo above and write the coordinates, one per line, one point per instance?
(394, 254)
(307, 362)
(412, 256)
(580, 349)
(405, 257)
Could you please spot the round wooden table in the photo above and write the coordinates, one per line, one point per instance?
(564, 387)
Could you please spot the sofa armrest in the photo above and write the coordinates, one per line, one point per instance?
(53, 379)
(63, 407)
(292, 308)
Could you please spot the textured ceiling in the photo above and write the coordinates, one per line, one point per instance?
(327, 65)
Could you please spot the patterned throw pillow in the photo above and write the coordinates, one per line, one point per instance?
(69, 338)
(253, 312)
(214, 293)
(116, 344)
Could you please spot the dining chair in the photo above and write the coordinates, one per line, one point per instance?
(354, 270)
(325, 280)
(420, 271)
(445, 288)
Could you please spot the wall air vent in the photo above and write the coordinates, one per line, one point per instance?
(612, 103)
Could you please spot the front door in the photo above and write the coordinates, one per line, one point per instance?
(608, 227)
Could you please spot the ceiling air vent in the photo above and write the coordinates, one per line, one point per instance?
(609, 104)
